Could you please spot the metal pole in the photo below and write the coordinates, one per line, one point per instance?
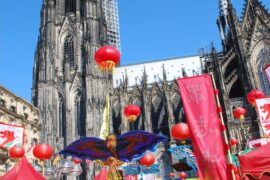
(222, 122)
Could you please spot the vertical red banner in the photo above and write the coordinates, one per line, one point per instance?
(201, 113)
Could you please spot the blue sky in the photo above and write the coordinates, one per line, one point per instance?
(150, 29)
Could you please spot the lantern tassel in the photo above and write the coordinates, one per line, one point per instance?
(43, 167)
(242, 118)
(132, 118)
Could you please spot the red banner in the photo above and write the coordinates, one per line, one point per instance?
(201, 113)
(263, 109)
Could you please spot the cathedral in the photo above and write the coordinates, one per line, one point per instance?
(70, 90)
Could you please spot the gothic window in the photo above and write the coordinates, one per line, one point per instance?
(79, 115)
(178, 111)
(82, 9)
(61, 117)
(159, 116)
(116, 117)
(70, 6)
(262, 60)
(69, 50)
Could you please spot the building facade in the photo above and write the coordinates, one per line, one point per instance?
(16, 111)
(110, 8)
(238, 68)
(70, 90)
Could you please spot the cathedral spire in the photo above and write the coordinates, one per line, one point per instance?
(223, 7)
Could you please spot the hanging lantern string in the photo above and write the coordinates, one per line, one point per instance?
(223, 124)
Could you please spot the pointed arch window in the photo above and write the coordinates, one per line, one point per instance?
(262, 60)
(82, 9)
(69, 50)
(61, 117)
(79, 115)
(70, 6)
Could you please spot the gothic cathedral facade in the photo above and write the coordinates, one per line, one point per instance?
(68, 88)
(239, 67)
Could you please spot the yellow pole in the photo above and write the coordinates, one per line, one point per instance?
(223, 124)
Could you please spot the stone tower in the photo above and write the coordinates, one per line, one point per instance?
(238, 68)
(68, 88)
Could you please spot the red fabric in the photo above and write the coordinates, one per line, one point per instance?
(201, 113)
(131, 177)
(256, 162)
(102, 175)
(22, 171)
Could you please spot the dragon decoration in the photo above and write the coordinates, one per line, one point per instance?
(114, 151)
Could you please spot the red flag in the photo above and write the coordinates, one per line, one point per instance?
(201, 112)
(263, 109)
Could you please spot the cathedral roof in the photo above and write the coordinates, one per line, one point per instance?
(173, 67)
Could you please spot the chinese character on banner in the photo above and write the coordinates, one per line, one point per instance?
(263, 109)
(267, 72)
(201, 113)
(10, 135)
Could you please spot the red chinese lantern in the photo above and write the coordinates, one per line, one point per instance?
(239, 113)
(182, 175)
(16, 152)
(233, 141)
(171, 174)
(180, 131)
(77, 160)
(132, 112)
(147, 160)
(43, 151)
(253, 95)
(107, 57)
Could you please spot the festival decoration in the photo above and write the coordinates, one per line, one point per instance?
(147, 160)
(233, 141)
(181, 166)
(180, 131)
(43, 151)
(255, 163)
(253, 95)
(184, 152)
(171, 174)
(107, 58)
(134, 169)
(77, 160)
(11, 135)
(132, 112)
(128, 146)
(239, 113)
(113, 164)
(16, 152)
(23, 170)
(182, 175)
(263, 109)
(200, 107)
